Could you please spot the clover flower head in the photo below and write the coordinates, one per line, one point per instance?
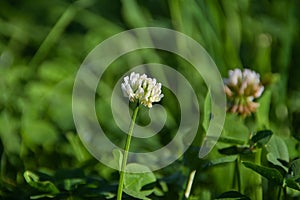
(241, 88)
(141, 89)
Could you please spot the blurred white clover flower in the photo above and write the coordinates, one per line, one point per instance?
(142, 89)
(241, 88)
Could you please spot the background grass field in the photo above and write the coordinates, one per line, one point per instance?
(43, 43)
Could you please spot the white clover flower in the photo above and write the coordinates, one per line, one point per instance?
(142, 89)
(241, 88)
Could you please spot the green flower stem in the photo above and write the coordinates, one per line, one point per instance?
(124, 161)
(258, 190)
(238, 173)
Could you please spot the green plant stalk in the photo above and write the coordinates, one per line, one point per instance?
(238, 173)
(183, 181)
(258, 181)
(59, 27)
(53, 36)
(189, 184)
(124, 161)
(279, 192)
(284, 192)
(176, 15)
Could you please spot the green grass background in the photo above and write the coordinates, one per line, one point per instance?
(43, 43)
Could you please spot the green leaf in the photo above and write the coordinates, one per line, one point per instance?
(222, 160)
(9, 134)
(234, 150)
(42, 196)
(261, 137)
(44, 186)
(277, 151)
(235, 127)
(69, 179)
(275, 161)
(135, 194)
(39, 132)
(60, 106)
(233, 195)
(293, 176)
(118, 157)
(50, 71)
(230, 140)
(262, 113)
(271, 174)
(292, 183)
(158, 192)
(69, 173)
(133, 182)
(207, 111)
(79, 150)
(133, 14)
(72, 183)
(294, 169)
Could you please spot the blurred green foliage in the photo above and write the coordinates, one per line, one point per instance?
(43, 43)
